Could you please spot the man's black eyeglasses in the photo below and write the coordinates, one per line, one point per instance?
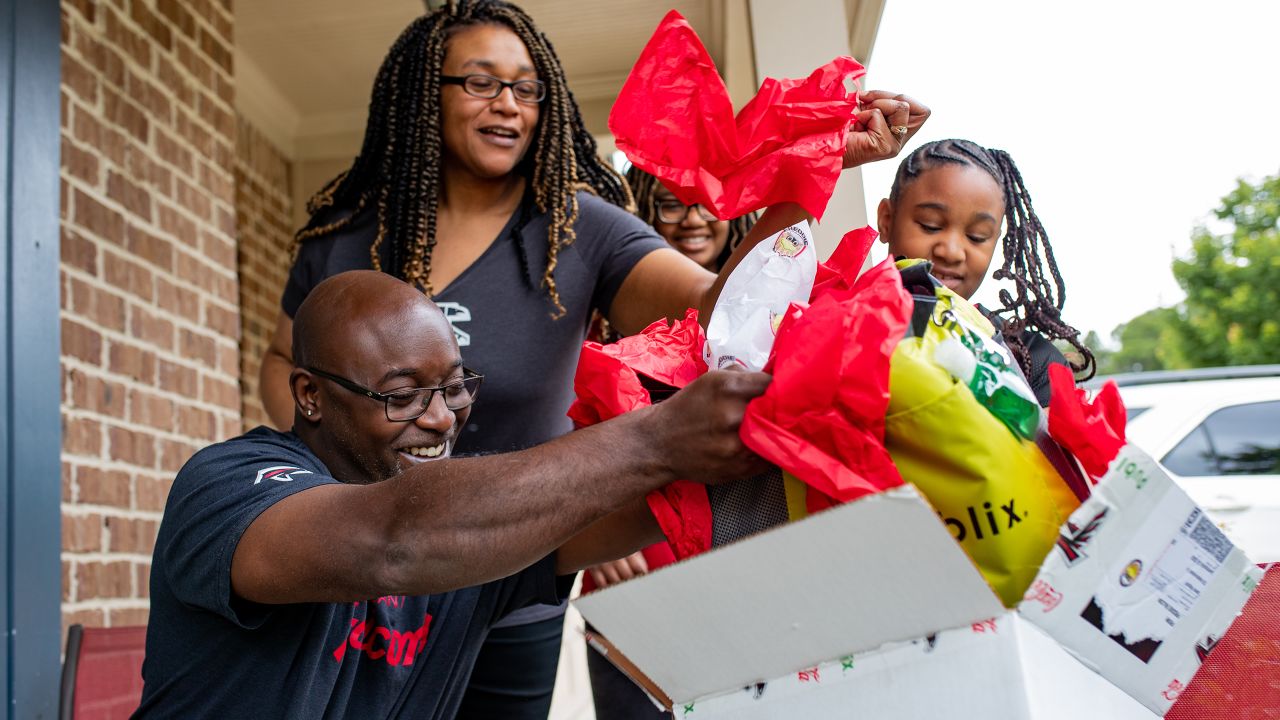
(410, 404)
(529, 92)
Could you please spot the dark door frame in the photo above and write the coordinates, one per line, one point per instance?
(30, 398)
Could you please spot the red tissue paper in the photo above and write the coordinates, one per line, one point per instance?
(1092, 431)
(822, 417)
(608, 384)
(674, 120)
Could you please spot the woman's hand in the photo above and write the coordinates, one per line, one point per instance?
(885, 124)
(615, 571)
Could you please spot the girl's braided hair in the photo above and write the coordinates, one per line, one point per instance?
(1028, 256)
(398, 170)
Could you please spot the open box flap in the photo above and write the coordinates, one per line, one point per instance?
(877, 570)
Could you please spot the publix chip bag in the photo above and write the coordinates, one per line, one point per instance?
(962, 426)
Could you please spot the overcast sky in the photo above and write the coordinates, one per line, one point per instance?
(1129, 120)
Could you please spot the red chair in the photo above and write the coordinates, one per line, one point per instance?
(102, 675)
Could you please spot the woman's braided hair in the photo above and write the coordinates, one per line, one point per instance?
(645, 188)
(398, 170)
(1040, 295)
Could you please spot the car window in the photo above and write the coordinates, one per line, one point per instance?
(1193, 456)
(1236, 440)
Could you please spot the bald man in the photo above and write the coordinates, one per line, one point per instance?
(349, 568)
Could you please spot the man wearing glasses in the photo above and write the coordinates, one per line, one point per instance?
(338, 571)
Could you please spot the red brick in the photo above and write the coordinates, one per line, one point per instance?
(222, 321)
(96, 395)
(84, 7)
(132, 446)
(96, 486)
(177, 299)
(220, 392)
(194, 62)
(98, 218)
(195, 272)
(80, 79)
(143, 571)
(150, 328)
(82, 342)
(67, 492)
(81, 436)
(66, 582)
(81, 533)
(226, 90)
(175, 454)
(131, 361)
(178, 17)
(102, 309)
(181, 228)
(149, 96)
(149, 409)
(169, 77)
(169, 149)
(104, 579)
(216, 50)
(151, 492)
(193, 132)
(94, 617)
(130, 617)
(196, 346)
(88, 129)
(79, 163)
(101, 57)
(152, 248)
(129, 535)
(135, 198)
(78, 252)
(178, 379)
(133, 44)
(151, 24)
(127, 275)
(192, 199)
(118, 110)
(229, 359)
(197, 423)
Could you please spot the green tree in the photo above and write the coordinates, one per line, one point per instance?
(1146, 343)
(1232, 312)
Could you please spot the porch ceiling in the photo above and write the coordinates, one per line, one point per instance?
(306, 67)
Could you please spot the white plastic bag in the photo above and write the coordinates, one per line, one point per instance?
(776, 273)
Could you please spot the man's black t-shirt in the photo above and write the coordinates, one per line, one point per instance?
(212, 655)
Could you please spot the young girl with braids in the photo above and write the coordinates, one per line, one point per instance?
(948, 201)
(478, 182)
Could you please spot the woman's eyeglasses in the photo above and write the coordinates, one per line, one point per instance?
(529, 92)
(674, 212)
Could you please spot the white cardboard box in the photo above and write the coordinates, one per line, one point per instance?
(872, 610)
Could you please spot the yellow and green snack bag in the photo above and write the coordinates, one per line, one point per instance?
(961, 425)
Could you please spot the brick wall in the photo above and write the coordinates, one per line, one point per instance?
(264, 218)
(150, 362)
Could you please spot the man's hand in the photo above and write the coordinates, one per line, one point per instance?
(886, 123)
(696, 430)
(615, 571)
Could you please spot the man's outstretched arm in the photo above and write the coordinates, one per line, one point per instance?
(455, 523)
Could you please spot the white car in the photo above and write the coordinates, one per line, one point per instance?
(1217, 432)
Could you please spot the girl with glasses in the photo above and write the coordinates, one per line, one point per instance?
(478, 182)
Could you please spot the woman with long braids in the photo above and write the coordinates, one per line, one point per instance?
(478, 183)
(946, 205)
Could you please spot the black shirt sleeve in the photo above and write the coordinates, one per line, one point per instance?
(214, 499)
(613, 240)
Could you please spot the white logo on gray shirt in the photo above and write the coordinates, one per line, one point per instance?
(455, 313)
